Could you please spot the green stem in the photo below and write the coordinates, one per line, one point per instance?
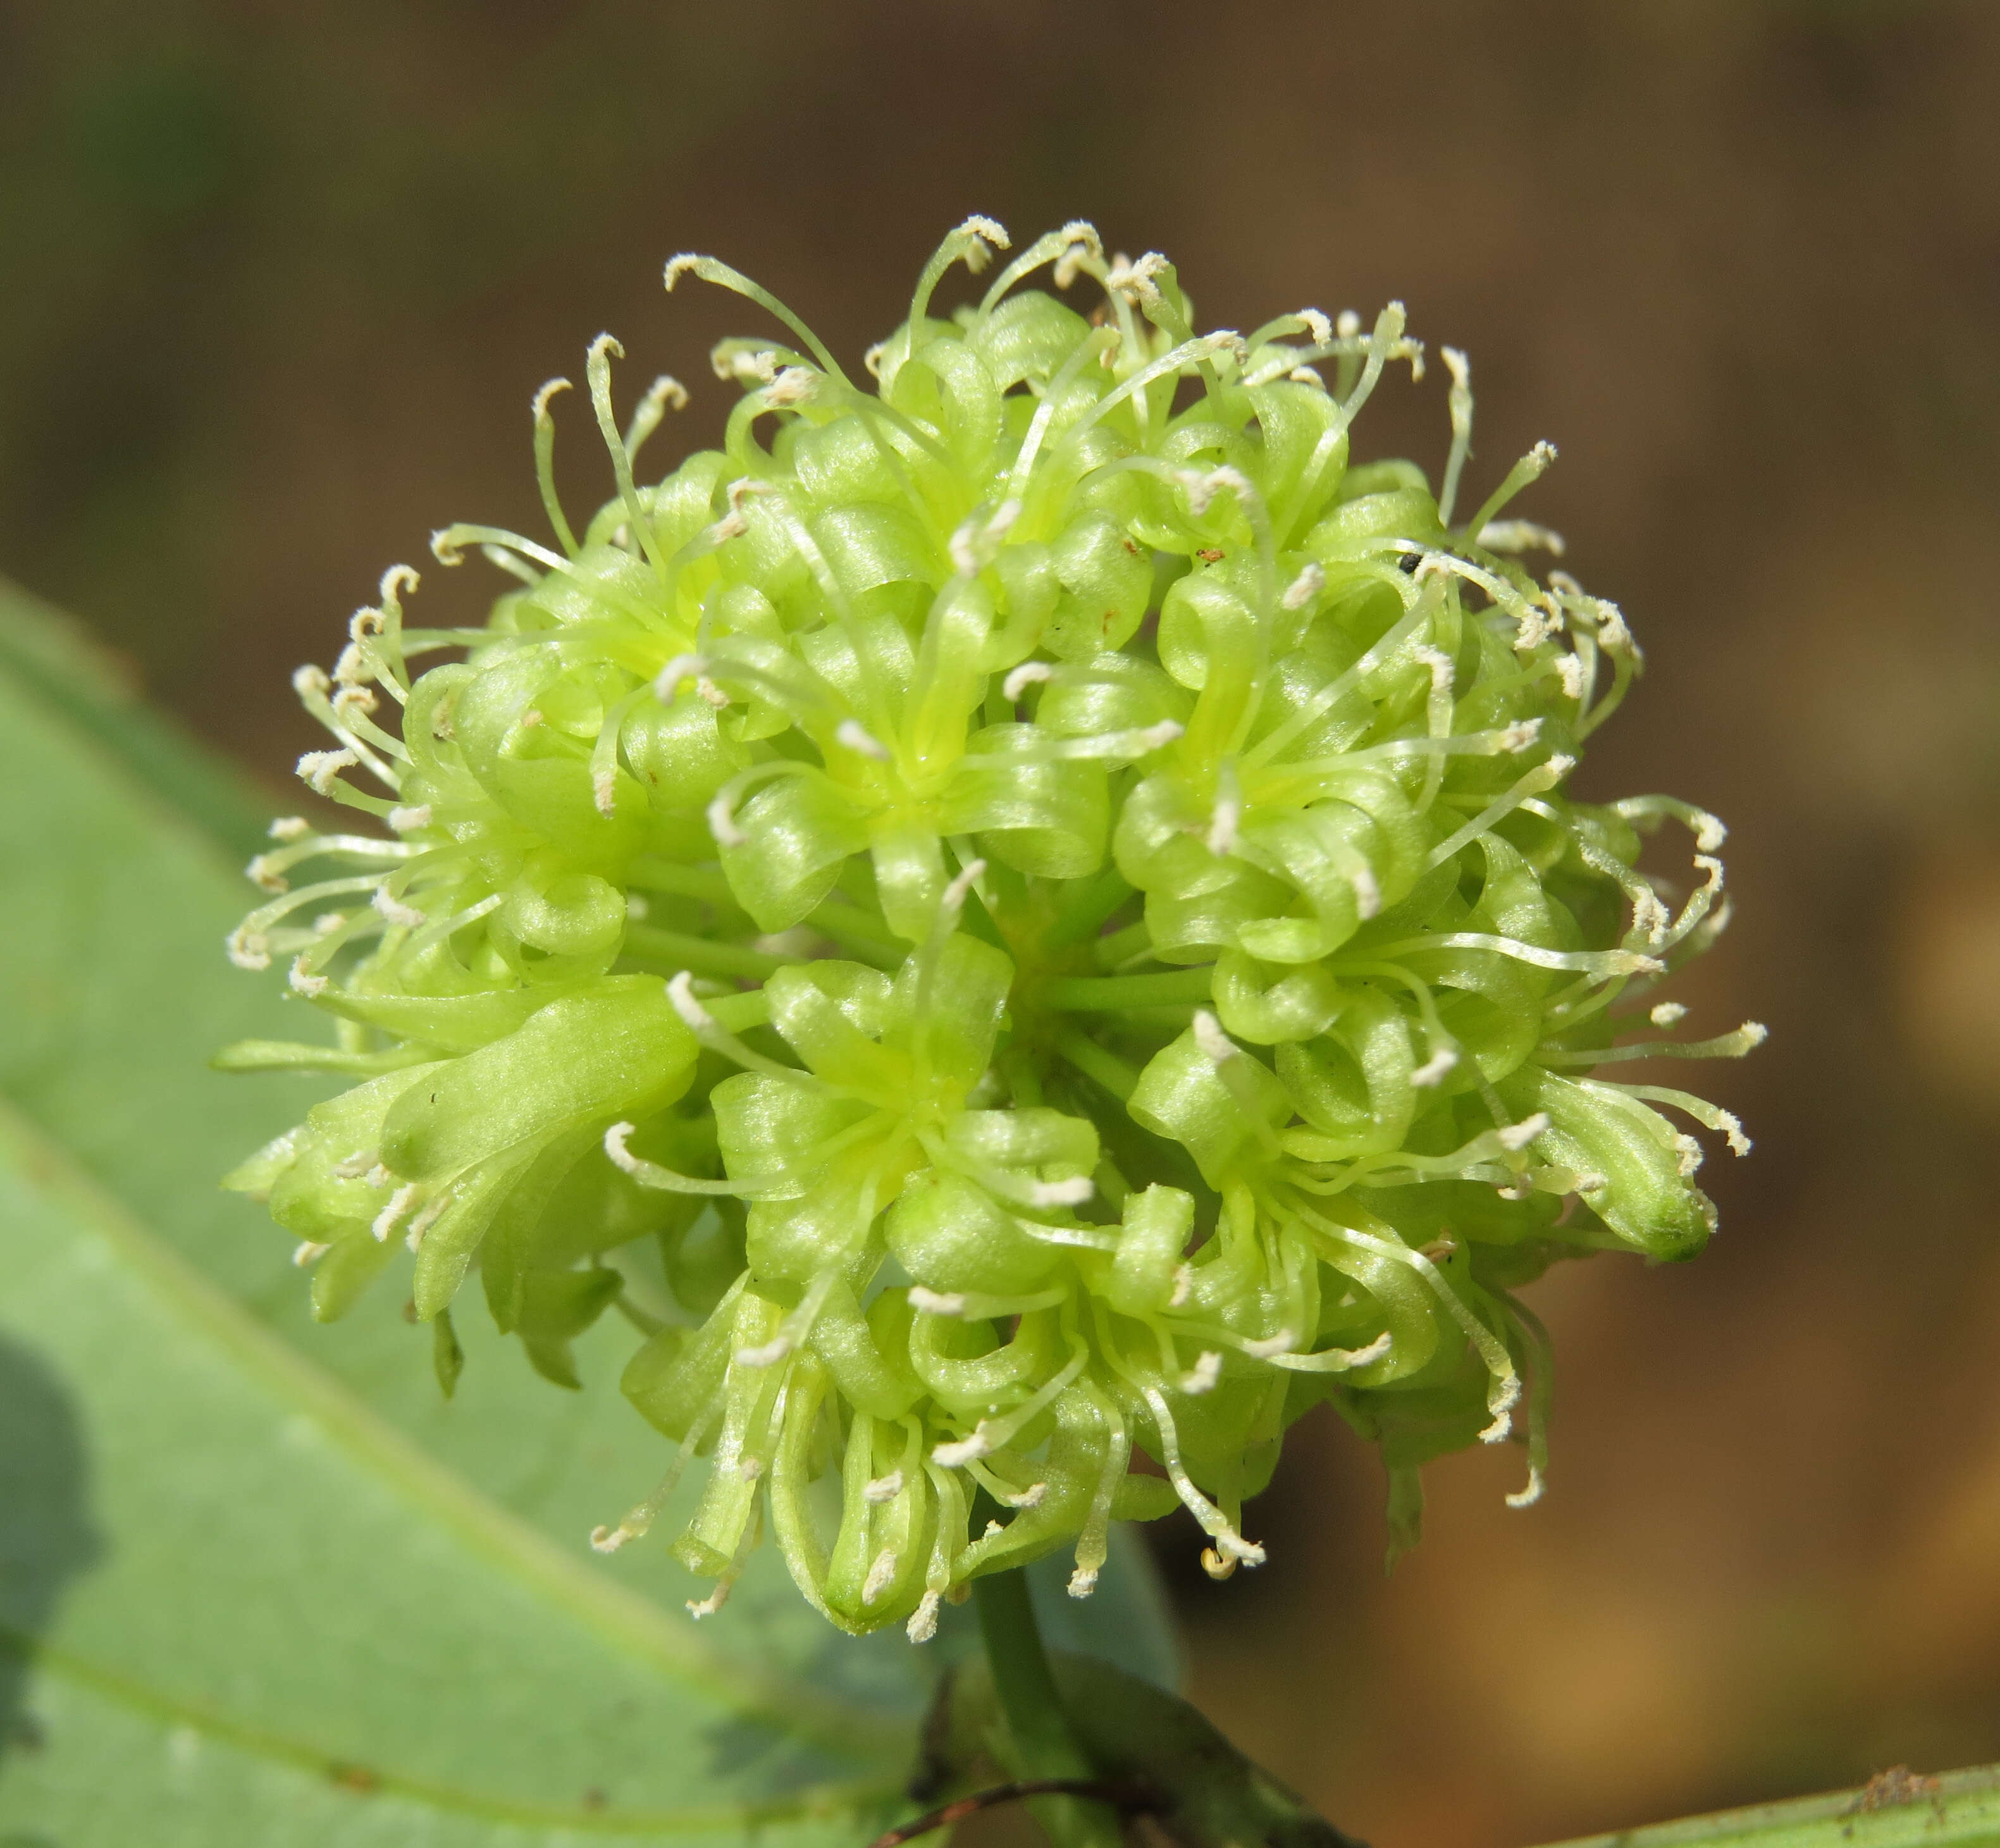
(1114, 994)
(1025, 1689)
(1093, 1062)
(670, 949)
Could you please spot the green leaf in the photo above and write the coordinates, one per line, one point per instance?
(1960, 1809)
(283, 1590)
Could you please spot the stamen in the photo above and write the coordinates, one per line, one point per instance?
(1209, 1036)
(1072, 1193)
(883, 1488)
(795, 385)
(954, 894)
(433, 1210)
(303, 981)
(407, 819)
(248, 949)
(1460, 400)
(721, 819)
(881, 1576)
(922, 1625)
(1270, 1346)
(1529, 1496)
(400, 1203)
(854, 736)
(1434, 1069)
(290, 828)
(1303, 588)
(1220, 839)
(699, 1608)
(665, 393)
(768, 1355)
(1516, 1137)
(317, 769)
(936, 1302)
(395, 910)
(1203, 1377)
(1520, 535)
(1030, 673)
(306, 1253)
(1669, 1013)
(956, 1456)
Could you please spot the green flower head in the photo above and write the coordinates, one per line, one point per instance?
(1016, 916)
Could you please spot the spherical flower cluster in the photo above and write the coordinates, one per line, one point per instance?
(1014, 917)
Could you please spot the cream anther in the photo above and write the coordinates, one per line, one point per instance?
(1203, 1375)
(1529, 1496)
(1307, 585)
(1183, 1286)
(1134, 280)
(853, 735)
(614, 1139)
(307, 1252)
(1521, 535)
(395, 910)
(1517, 1136)
(405, 819)
(1220, 839)
(1203, 486)
(1282, 1342)
(1071, 1193)
(1209, 1036)
(319, 770)
(248, 949)
(769, 1354)
(954, 894)
(883, 1488)
(302, 981)
(667, 682)
(400, 1203)
(310, 682)
(881, 1576)
(604, 791)
(260, 872)
(679, 267)
(1439, 663)
(721, 818)
(1030, 673)
(966, 1450)
(289, 827)
(795, 385)
(922, 1625)
(1347, 324)
(680, 991)
(1434, 1068)
(1667, 1013)
(699, 1608)
(1082, 1582)
(936, 1302)
(1569, 670)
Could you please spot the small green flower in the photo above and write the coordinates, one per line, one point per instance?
(1020, 915)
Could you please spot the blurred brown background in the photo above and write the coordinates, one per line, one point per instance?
(280, 278)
